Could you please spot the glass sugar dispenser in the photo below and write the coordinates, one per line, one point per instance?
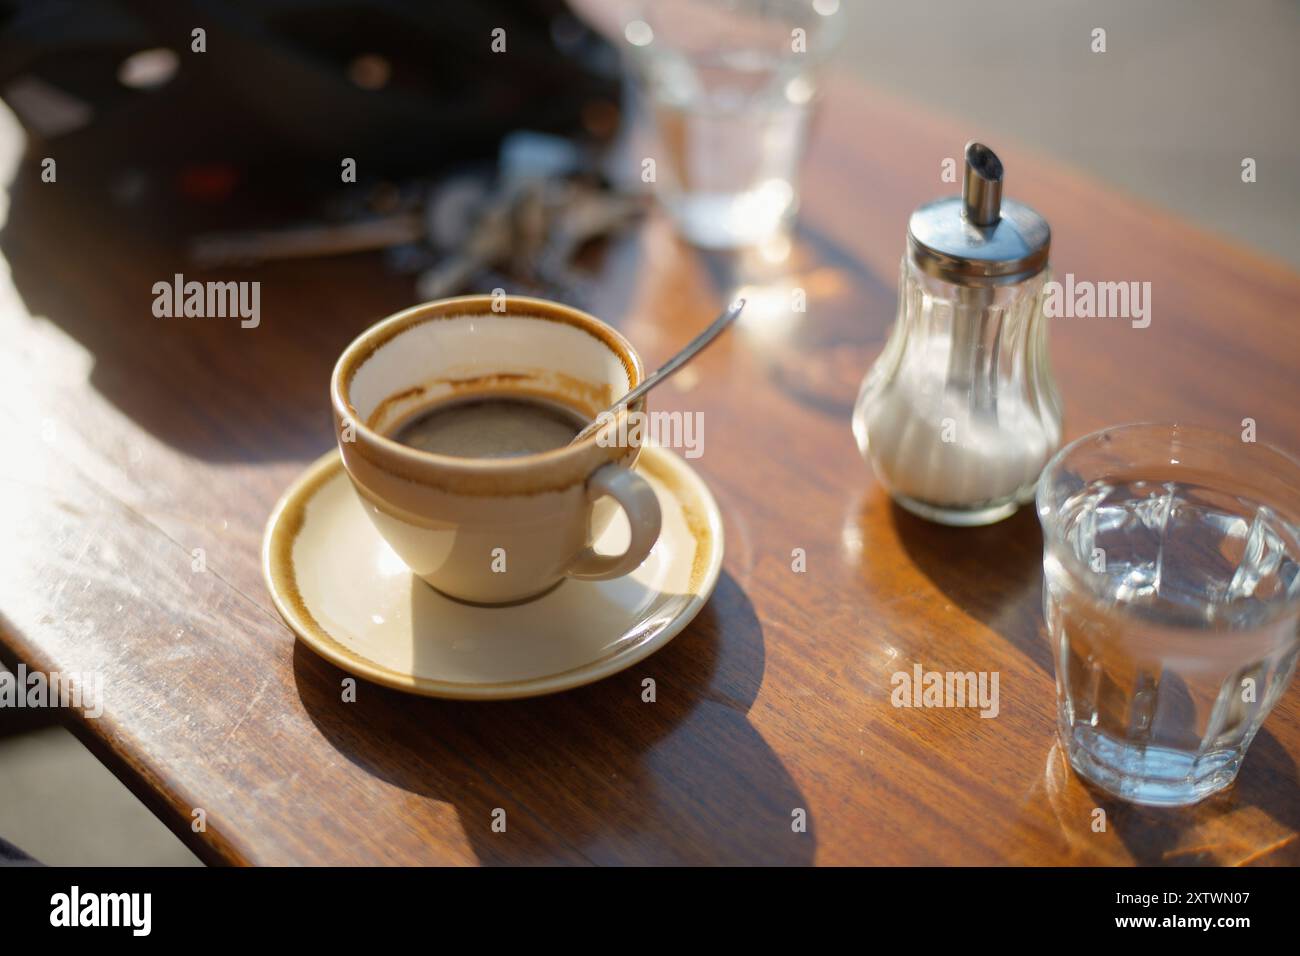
(960, 412)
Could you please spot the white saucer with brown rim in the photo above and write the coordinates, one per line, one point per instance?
(351, 599)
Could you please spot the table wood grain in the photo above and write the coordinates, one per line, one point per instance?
(129, 441)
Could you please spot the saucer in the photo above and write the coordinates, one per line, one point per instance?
(350, 598)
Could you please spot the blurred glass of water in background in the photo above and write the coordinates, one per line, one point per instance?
(732, 84)
(1171, 566)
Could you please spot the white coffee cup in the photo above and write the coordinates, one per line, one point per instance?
(492, 530)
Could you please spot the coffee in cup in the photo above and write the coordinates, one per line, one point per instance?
(491, 427)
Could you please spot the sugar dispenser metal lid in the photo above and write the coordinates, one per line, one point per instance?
(980, 238)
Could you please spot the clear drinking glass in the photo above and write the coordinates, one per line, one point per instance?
(1171, 573)
(732, 85)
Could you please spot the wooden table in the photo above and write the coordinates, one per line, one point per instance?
(130, 441)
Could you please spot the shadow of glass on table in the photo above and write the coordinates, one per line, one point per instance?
(993, 574)
(1253, 821)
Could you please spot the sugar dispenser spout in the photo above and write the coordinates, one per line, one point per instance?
(981, 189)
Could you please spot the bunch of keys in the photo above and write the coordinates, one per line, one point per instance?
(530, 224)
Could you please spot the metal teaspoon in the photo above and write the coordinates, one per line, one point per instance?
(694, 347)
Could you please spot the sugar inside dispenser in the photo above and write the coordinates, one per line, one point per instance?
(960, 412)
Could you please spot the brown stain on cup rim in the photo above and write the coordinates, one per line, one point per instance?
(554, 470)
(461, 307)
(583, 397)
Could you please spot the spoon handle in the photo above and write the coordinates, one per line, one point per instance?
(672, 365)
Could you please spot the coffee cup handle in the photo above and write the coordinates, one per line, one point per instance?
(641, 505)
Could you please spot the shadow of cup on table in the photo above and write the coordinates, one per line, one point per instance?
(595, 774)
(993, 573)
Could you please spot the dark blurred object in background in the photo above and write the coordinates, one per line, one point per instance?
(286, 89)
